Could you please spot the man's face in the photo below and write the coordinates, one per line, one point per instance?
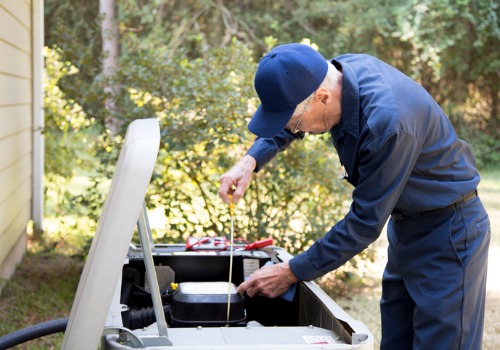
(319, 114)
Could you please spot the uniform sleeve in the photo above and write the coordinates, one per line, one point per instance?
(385, 165)
(265, 149)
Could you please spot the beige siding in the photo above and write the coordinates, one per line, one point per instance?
(14, 91)
(10, 180)
(12, 121)
(14, 62)
(15, 203)
(16, 110)
(14, 30)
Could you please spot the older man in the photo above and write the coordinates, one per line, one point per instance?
(405, 161)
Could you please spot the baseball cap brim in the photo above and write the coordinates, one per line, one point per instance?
(269, 124)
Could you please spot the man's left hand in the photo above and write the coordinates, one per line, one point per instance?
(270, 281)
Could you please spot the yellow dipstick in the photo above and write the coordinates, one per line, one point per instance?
(231, 205)
(231, 212)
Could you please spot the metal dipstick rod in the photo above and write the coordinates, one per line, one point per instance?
(229, 284)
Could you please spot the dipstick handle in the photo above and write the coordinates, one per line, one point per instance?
(231, 204)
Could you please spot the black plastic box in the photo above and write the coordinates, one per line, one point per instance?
(205, 304)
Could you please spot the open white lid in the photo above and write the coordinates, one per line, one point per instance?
(113, 235)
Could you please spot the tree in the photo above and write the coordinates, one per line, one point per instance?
(454, 48)
(110, 48)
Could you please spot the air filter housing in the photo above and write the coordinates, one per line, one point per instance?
(205, 304)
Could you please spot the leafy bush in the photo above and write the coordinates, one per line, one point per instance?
(203, 105)
(190, 64)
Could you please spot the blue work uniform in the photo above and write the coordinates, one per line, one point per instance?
(404, 160)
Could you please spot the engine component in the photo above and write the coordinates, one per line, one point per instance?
(205, 304)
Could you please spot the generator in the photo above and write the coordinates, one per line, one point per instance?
(183, 296)
(193, 286)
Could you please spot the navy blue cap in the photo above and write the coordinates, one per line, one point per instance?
(285, 77)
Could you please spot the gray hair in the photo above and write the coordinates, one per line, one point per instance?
(329, 83)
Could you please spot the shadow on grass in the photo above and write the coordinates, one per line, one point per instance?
(42, 289)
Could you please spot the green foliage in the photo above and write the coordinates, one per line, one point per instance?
(65, 120)
(190, 64)
(73, 27)
(455, 52)
(69, 141)
(486, 148)
(203, 106)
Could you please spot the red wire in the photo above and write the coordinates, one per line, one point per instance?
(201, 240)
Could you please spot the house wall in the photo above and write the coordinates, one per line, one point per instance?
(16, 120)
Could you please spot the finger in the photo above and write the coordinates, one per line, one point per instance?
(248, 287)
(251, 292)
(243, 287)
(225, 188)
(238, 192)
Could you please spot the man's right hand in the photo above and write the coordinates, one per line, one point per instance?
(236, 180)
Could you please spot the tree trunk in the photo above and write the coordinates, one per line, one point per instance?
(110, 48)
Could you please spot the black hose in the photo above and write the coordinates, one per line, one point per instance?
(140, 318)
(126, 292)
(36, 331)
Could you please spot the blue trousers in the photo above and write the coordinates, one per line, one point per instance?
(434, 284)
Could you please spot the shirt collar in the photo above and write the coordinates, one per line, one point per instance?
(349, 120)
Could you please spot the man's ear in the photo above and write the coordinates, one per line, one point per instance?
(323, 95)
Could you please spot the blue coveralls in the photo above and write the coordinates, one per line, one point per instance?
(405, 161)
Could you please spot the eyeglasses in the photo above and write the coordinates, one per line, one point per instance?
(295, 129)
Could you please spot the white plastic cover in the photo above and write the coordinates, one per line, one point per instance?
(113, 235)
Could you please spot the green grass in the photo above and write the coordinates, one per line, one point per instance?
(42, 289)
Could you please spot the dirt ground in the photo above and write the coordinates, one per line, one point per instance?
(489, 192)
(492, 317)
